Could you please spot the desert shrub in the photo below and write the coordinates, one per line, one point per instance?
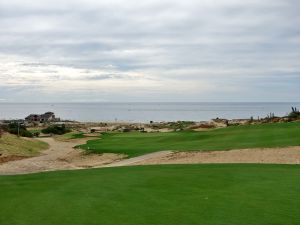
(294, 114)
(15, 128)
(56, 129)
(181, 125)
(205, 126)
(36, 134)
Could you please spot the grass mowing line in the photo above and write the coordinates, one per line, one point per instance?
(70, 136)
(237, 137)
(74, 135)
(219, 194)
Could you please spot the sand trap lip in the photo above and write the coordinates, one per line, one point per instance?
(139, 159)
(286, 155)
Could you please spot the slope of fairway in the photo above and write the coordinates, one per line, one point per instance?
(156, 195)
(17, 146)
(237, 137)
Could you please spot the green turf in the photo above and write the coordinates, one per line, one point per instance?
(236, 137)
(155, 195)
(74, 135)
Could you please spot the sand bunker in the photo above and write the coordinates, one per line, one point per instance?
(62, 156)
(287, 155)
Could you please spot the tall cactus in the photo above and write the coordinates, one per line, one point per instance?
(295, 113)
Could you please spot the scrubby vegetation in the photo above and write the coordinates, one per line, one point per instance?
(35, 132)
(56, 129)
(179, 125)
(294, 114)
(17, 129)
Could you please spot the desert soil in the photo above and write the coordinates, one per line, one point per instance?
(62, 156)
(287, 155)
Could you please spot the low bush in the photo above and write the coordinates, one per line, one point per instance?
(56, 129)
(294, 114)
(17, 129)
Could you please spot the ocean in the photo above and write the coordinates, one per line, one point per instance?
(145, 112)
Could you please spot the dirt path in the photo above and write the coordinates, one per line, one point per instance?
(140, 159)
(60, 156)
(287, 155)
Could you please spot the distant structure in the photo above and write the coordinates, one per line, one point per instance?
(42, 118)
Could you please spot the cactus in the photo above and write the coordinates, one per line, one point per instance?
(294, 114)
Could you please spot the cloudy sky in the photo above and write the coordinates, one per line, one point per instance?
(150, 50)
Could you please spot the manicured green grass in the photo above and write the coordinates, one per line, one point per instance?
(237, 137)
(74, 135)
(216, 194)
(12, 145)
(70, 136)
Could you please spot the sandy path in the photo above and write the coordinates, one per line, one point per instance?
(287, 155)
(140, 159)
(60, 156)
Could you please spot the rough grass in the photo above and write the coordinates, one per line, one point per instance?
(17, 146)
(155, 195)
(237, 137)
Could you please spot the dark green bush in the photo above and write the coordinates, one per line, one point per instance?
(15, 128)
(56, 129)
(36, 134)
(294, 114)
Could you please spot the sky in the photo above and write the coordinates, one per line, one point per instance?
(150, 50)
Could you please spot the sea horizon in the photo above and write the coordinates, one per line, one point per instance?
(146, 111)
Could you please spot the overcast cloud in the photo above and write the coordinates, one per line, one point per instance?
(150, 50)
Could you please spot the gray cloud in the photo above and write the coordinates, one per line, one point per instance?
(235, 48)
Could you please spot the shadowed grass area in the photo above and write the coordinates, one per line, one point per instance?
(157, 195)
(236, 137)
(13, 145)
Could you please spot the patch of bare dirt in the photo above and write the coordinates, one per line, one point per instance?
(139, 159)
(4, 159)
(287, 155)
(60, 156)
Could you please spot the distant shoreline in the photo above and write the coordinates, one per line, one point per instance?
(137, 112)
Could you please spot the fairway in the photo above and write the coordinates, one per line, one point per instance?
(157, 195)
(235, 137)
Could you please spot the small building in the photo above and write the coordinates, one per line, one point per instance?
(47, 117)
(42, 118)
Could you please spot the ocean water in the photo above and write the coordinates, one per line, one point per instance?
(145, 112)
